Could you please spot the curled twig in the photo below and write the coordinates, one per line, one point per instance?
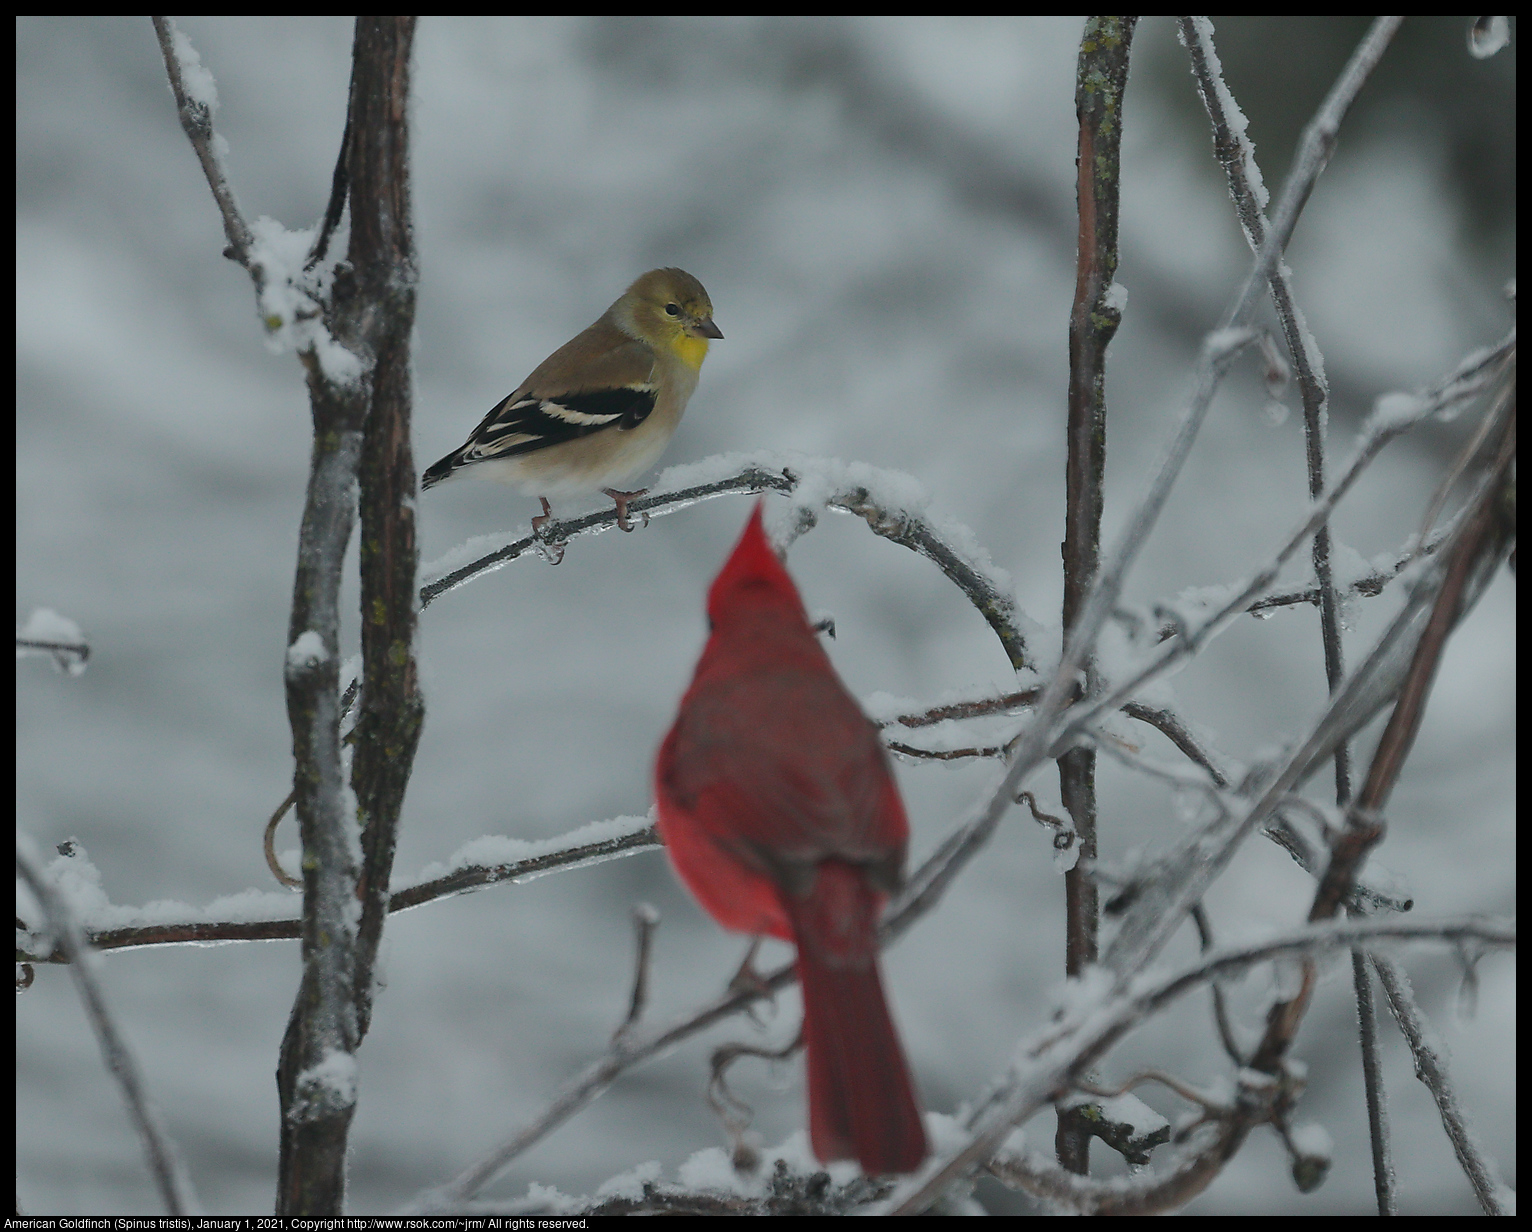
(269, 844)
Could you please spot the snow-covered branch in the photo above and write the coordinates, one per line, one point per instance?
(197, 103)
(893, 505)
(267, 916)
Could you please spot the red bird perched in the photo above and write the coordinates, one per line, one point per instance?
(780, 813)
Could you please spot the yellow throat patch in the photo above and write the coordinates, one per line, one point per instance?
(690, 351)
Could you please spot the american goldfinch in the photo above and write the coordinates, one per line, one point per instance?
(601, 408)
(781, 815)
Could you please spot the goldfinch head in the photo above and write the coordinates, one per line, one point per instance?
(668, 308)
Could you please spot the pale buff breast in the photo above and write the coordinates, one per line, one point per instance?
(605, 459)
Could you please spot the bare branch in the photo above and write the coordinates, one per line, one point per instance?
(69, 657)
(1220, 1008)
(1471, 377)
(1368, 586)
(1185, 874)
(967, 710)
(784, 1192)
(269, 844)
(1381, 1141)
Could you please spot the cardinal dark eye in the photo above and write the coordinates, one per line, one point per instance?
(672, 310)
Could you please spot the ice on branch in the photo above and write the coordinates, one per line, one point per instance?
(494, 849)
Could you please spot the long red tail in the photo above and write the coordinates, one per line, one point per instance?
(861, 1099)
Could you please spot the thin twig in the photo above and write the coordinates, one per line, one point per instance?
(1368, 586)
(269, 844)
(1372, 1082)
(1237, 156)
(197, 119)
(1431, 1067)
(646, 919)
(967, 710)
(1220, 1007)
(70, 656)
(164, 1160)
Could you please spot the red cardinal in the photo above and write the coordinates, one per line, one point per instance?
(780, 813)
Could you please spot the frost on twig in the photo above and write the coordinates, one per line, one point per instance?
(1431, 1067)
(1104, 1010)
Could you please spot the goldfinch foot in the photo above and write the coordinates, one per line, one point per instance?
(622, 499)
(549, 549)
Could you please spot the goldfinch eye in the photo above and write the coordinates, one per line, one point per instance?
(672, 310)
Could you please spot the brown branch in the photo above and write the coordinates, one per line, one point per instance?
(70, 657)
(1101, 79)
(968, 710)
(1366, 587)
(381, 276)
(645, 920)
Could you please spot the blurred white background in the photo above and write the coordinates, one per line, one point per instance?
(882, 212)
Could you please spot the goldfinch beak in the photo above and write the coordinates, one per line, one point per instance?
(704, 329)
